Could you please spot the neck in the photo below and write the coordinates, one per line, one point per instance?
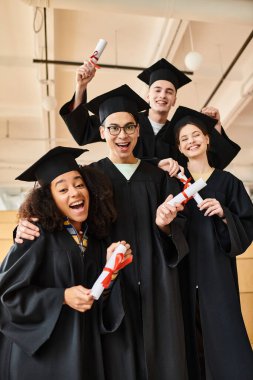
(158, 117)
(123, 160)
(76, 225)
(199, 165)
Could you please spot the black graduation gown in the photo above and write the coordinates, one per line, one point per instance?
(85, 130)
(211, 265)
(149, 344)
(40, 338)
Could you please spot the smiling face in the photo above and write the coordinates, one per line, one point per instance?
(193, 142)
(162, 96)
(71, 196)
(120, 146)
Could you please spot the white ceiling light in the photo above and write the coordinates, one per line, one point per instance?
(193, 59)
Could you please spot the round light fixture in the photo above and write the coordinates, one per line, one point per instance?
(193, 60)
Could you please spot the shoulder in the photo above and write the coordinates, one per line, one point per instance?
(152, 171)
(143, 114)
(100, 165)
(227, 182)
(151, 168)
(17, 251)
(226, 175)
(143, 117)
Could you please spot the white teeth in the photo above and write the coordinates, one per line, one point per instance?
(76, 203)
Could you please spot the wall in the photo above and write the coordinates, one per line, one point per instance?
(8, 221)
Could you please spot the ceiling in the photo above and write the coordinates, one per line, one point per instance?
(138, 32)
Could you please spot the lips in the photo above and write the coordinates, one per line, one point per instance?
(77, 205)
(193, 147)
(123, 146)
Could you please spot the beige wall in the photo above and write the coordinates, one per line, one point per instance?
(8, 221)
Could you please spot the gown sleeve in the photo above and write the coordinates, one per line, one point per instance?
(237, 234)
(83, 127)
(28, 313)
(111, 309)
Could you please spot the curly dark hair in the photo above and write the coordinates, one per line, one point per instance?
(40, 204)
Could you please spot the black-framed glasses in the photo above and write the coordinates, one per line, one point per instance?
(115, 130)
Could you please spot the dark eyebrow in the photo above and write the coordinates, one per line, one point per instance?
(117, 125)
(167, 88)
(192, 133)
(63, 180)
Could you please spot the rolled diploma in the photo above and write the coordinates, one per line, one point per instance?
(98, 50)
(196, 196)
(98, 288)
(189, 191)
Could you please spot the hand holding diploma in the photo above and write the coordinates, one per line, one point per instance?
(120, 257)
(166, 213)
(187, 193)
(168, 210)
(187, 183)
(88, 69)
(86, 73)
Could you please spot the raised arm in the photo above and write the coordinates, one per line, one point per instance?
(83, 127)
(224, 150)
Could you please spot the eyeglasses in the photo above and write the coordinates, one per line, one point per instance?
(115, 130)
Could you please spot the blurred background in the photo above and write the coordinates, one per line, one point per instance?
(44, 41)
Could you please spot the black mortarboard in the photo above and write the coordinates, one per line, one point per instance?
(121, 99)
(184, 115)
(57, 161)
(163, 70)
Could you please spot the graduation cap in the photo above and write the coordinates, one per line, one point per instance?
(163, 70)
(184, 115)
(57, 161)
(121, 99)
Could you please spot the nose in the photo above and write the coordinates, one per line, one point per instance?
(191, 139)
(162, 94)
(73, 191)
(122, 133)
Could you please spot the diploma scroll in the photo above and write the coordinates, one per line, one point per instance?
(188, 192)
(98, 51)
(184, 179)
(116, 262)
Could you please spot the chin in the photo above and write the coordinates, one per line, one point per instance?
(162, 110)
(79, 218)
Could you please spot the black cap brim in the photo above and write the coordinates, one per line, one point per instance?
(121, 99)
(163, 70)
(57, 161)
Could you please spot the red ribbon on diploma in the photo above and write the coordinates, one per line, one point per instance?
(186, 184)
(94, 56)
(120, 262)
